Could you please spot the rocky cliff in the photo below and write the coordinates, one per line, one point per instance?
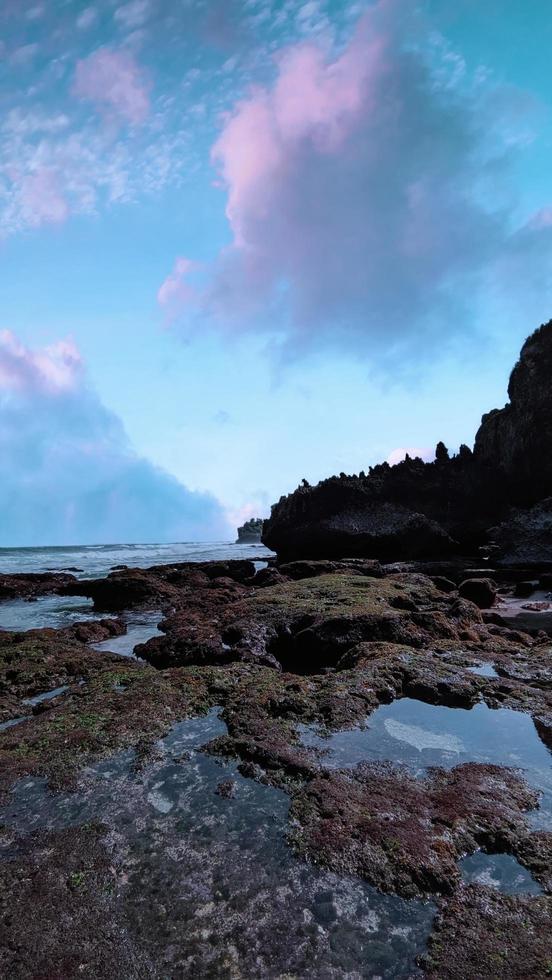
(517, 439)
(422, 510)
(251, 531)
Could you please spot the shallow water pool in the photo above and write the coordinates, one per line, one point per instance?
(420, 735)
(141, 627)
(500, 871)
(219, 867)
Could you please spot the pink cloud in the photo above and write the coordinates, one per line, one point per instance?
(313, 103)
(423, 452)
(237, 516)
(41, 200)
(53, 370)
(355, 197)
(113, 81)
(175, 290)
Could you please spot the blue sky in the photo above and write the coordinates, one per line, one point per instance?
(360, 201)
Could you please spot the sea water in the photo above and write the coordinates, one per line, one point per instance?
(95, 561)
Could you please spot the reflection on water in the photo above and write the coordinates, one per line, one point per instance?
(500, 871)
(483, 670)
(419, 735)
(223, 869)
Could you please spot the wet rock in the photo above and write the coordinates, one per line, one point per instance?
(310, 569)
(305, 625)
(44, 659)
(95, 630)
(124, 590)
(482, 933)
(226, 789)
(481, 591)
(31, 586)
(268, 576)
(91, 719)
(535, 852)
(442, 583)
(203, 887)
(64, 877)
(316, 648)
(404, 834)
(159, 585)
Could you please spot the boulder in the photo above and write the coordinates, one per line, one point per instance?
(481, 591)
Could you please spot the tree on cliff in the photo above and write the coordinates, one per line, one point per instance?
(441, 453)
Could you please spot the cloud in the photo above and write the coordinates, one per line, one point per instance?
(69, 474)
(254, 508)
(363, 195)
(35, 13)
(89, 166)
(87, 18)
(53, 370)
(175, 289)
(41, 200)
(113, 81)
(223, 24)
(133, 14)
(23, 56)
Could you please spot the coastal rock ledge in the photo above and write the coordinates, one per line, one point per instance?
(454, 505)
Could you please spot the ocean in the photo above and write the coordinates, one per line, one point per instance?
(94, 561)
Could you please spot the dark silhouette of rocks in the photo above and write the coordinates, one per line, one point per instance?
(418, 510)
(516, 440)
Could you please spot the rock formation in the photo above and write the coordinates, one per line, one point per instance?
(425, 510)
(250, 532)
(517, 439)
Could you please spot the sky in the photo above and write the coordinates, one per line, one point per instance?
(247, 242)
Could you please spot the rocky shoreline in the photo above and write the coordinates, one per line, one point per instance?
(293, 648)
(497, 496)
(294, 775)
